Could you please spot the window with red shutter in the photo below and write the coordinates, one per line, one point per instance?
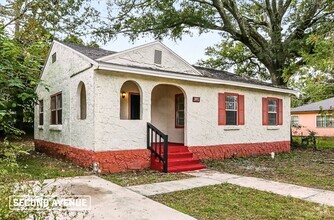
(231, 109)
(272, 111)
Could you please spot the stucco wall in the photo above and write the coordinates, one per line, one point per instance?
(57, 78)
(201, 124)
(163, 112)
(308, 121)
(143, 56)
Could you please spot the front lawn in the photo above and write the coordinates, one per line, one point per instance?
(302, 167)
(35, 166)
(139, 177)
(228, 201)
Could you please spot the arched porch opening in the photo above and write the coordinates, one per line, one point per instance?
(168, 111)
(130, 101)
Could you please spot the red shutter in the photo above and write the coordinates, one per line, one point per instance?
(280, 112)
(264, 111)
(241, 110)
(221, 109)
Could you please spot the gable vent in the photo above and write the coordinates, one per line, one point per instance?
(157, 57)
(54, 57)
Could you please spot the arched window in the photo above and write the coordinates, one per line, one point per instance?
(130, 101)
(82, 101)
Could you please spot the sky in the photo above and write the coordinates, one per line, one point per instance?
(189, 48)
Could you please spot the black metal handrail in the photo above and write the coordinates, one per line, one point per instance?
(154, 143)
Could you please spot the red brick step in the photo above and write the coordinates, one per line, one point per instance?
(179, 159)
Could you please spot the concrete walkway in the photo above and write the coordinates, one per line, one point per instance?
(210, 177)
(111, 201)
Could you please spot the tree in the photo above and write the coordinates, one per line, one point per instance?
(34, 20)
(34, 24)
(19, 71)
(313, 85)
(272, 31)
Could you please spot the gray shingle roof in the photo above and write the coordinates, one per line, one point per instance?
(91, 52)
(225, 75)
(326, 104)
(95, 53)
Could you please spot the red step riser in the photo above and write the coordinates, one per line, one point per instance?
(180, 159)
(179, 162)
(180, 155)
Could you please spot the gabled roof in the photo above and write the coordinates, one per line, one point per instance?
(221, 74)
(327, 104)
(91, 52)
(99, 55)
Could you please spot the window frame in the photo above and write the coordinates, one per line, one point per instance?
(41, 112)
(178, 110)
(276, 112)
(222, 116)
(236, 111)
(324, 121)
(292, 121)
(82, 105)
(57, 109)
(279, 111)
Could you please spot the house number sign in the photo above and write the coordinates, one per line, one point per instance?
(196, 99)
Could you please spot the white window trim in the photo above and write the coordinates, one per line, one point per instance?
(56, 127)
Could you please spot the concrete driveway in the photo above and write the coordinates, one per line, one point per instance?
(111, 201)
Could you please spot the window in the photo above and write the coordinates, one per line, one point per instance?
(179, 110)
(231, 109)
(83, 103)
(41, 112)
(325, 121)
(54, 57)
(272, 113)
(294, 121)
(56, 109)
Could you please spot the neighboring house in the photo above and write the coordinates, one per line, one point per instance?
(103, 109)
(317, 116)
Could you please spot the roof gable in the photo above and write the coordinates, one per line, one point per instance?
(144, 56)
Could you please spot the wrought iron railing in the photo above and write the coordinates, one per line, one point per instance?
(157, 142)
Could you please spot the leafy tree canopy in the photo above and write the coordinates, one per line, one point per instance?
(273, 34)
(27, 28)
(313, 85)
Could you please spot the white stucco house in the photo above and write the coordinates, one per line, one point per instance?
(113, 111)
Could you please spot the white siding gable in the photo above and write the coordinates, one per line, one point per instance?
(144, 56)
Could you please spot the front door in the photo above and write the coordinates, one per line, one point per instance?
(134, 106)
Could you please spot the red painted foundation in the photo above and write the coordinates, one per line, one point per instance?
(123, 160)
(226, 151)
(109, 161)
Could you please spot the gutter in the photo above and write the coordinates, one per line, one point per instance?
(87, 68)
(192, 78)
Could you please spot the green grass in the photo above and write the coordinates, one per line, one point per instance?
(40, 166)
(302, 167)
(233, 202)
(321, 142)
(143, 177)
(37, 165)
